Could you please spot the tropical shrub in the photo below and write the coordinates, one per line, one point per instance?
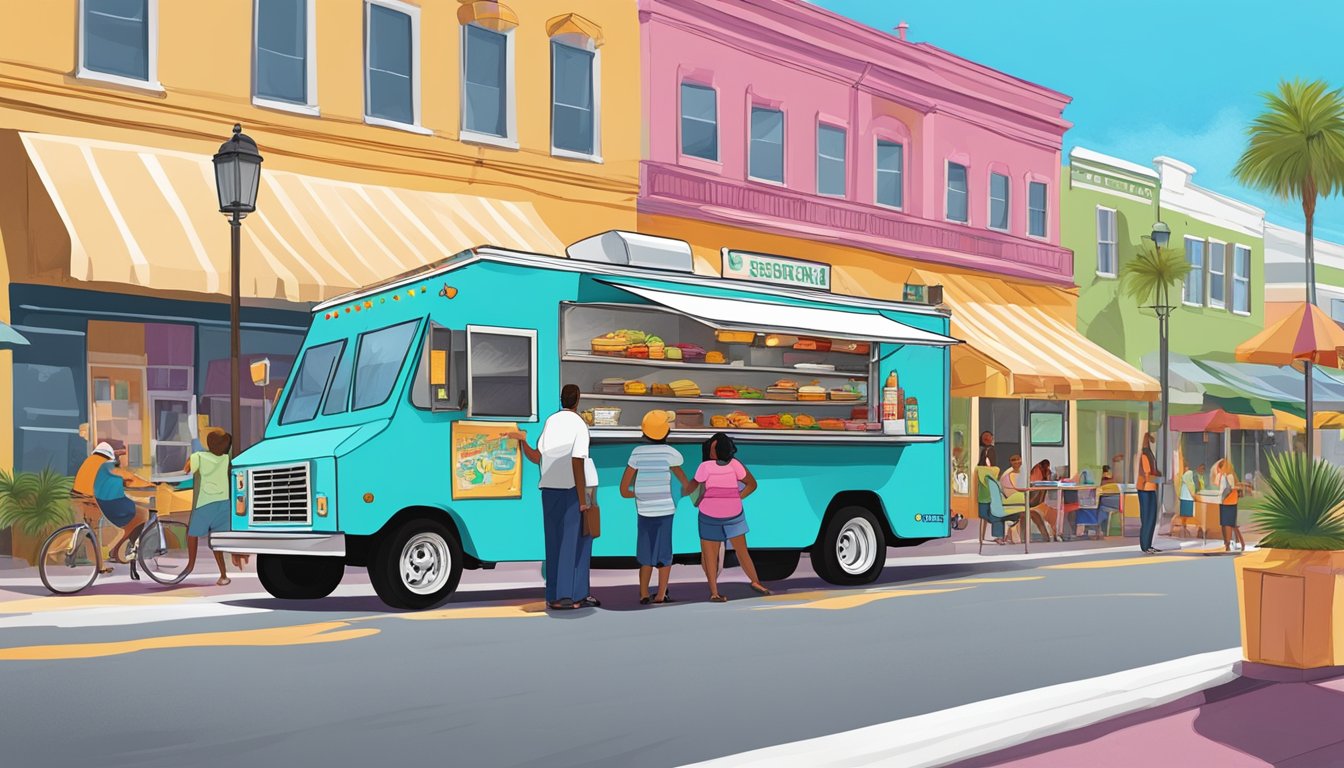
(1303, 506)
(35, 502)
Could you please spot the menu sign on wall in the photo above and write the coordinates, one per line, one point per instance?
(776, 270)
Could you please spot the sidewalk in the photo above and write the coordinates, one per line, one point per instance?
(1241, 724)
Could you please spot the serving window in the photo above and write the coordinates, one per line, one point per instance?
(501, 372)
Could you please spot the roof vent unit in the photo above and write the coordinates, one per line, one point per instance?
(631, 249)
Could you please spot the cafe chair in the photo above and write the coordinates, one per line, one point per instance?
(1090, 514)
(996, 509)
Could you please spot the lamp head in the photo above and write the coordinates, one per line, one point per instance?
(237, 173)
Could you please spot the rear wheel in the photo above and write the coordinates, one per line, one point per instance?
(852, 549)
(69, 560)
(416, 566)
(775, 564)
(162, 551)
(299, 577)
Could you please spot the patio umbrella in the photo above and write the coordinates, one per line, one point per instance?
(1306, 334)
(1218, 420)
(1320, 420)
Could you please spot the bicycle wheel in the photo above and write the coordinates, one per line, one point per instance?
(162, 551)
(69, 560)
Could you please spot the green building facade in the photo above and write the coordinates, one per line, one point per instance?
(1107, 210)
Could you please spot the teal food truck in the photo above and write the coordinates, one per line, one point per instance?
(388, 448)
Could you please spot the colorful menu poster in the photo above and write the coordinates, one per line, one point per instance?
(486, 464)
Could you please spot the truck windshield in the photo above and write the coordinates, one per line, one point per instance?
(310, 382)
(378, 360)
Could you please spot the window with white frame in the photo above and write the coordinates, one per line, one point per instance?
(391, 56)
(830, 160)
(1194, 282)
(573, 98)
(699, 121)
(1036, 215)
(1107, 257)
(283, 69)
(765, 155)
(998, 201)
(890, 174)
(1241, 279)
(117, 40)
(1337, 310)
(1217, 274)
(485, 82)
(501, 372)
(957, 208)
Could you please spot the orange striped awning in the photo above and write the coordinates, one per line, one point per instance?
(1021, 342)
(150, 217)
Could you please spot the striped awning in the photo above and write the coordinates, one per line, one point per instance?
(150, 217)
(1021, 342)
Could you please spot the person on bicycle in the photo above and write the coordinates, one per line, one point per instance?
(109, 490)
(211, 510)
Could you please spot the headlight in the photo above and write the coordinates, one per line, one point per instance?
(239, 482)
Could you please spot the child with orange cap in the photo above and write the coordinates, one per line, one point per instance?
(648, 480)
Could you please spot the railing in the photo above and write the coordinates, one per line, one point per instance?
(680, 191)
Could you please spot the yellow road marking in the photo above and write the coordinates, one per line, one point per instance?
(856, 599)
(1121, 563)
(301, 634)
(40, 604)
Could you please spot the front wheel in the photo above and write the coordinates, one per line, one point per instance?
(162, 551)
(68, 561)
(416, 566)
(299, 577)
(852, 549)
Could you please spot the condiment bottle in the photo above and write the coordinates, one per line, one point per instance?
(891, 399)
(911, 416)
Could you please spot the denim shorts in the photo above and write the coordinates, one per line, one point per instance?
(723, 528)
(208, 518)
(119, 512)
(653, 541)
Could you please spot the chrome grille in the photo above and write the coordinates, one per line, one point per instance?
(280, 495)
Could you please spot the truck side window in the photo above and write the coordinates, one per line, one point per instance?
(501, 372)
(440, 374)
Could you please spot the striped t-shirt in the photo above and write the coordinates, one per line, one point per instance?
(653, 478)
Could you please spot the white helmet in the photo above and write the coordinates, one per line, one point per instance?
(105, 449)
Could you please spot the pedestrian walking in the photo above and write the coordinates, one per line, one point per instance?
(1225, 478)
(1147, 479)
(723, 483)
(560, 452)
(210, 508)
(648, 480)
(1189, 490)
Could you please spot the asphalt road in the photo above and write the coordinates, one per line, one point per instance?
(487, 681)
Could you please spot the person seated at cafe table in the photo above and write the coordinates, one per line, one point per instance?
(1040, 500)
(1015, 495)
(1069, 499)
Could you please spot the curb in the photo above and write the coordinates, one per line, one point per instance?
(984, 727)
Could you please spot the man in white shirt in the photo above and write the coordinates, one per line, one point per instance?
(561, 452)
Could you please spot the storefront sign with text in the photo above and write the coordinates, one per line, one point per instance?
(777, 270)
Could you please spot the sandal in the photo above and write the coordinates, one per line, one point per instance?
(667, 598)
(223, 581)
(760, 589)
(717, 599)
(590, 602)
(563, 605)
(645, 600)
(106, 569)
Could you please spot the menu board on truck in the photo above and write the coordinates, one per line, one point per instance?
(486, 463)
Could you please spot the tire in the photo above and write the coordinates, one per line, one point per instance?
(775, 564)
(68, 562)
(299, 577)
(417, 565)
(162, 552)
(852, 548)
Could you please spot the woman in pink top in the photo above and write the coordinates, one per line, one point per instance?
(723, 483)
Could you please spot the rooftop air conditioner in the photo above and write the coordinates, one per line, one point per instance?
(634, 250)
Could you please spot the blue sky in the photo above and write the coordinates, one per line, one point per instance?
(1180, 78)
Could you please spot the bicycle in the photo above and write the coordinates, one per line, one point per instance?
(70, 560)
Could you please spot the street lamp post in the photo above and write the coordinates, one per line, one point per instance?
(237, 176)
(1161, 236)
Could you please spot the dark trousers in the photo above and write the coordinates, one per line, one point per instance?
(561, 521)
(1147, 519)
(582, 564)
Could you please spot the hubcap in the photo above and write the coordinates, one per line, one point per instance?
(425, 563)
(856, 547)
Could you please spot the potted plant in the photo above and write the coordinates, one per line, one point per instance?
(1291, 590)
(34, 503)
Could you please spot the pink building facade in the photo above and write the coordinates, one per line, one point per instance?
(781, 117)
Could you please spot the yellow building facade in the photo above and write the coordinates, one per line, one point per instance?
(394, 133)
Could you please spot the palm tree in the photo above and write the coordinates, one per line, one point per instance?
(1150, 277)
(1296, 152)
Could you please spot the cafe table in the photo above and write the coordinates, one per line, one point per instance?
(1059, 487)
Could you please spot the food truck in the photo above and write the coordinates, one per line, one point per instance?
(389, 448)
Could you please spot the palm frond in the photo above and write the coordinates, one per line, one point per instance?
(34, 502)
(1304, 504)
(1152, 273)
(1295, 148)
